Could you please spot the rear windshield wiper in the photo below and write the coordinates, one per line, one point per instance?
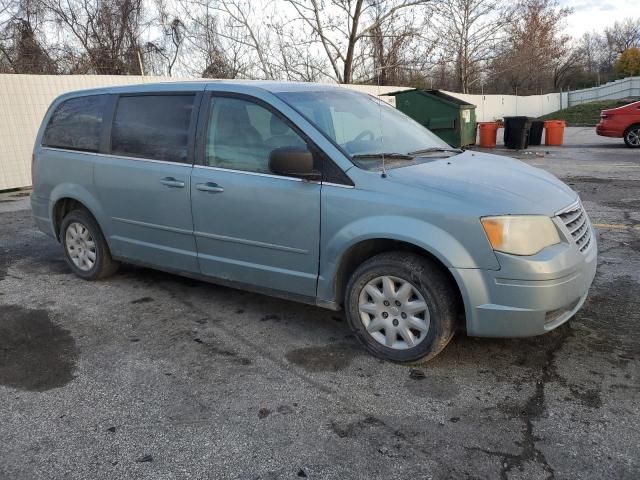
(390, 155)
(434, 150)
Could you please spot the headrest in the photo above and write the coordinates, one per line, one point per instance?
(278, 127)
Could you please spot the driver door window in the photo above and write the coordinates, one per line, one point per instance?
(241, 135)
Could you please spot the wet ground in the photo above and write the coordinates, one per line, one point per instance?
(149, 375)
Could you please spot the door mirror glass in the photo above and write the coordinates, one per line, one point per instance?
(293, 162)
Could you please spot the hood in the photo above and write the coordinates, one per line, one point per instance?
(491, 184)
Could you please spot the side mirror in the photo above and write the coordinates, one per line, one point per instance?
(293, 162)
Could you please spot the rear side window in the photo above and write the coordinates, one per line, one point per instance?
(76, 124)
(152, 126)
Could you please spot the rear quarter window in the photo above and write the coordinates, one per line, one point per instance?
(76, 124)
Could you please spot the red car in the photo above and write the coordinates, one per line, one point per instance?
(621, 122)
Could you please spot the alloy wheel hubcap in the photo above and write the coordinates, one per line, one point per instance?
(394, 312)
(80, 246)
(634, 137)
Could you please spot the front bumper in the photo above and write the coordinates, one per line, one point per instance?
(529, 295)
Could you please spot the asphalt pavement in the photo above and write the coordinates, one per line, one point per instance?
(152, 376)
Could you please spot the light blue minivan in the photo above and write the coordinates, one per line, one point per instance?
(318, 194)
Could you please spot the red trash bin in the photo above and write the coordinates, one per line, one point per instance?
(488, 134)
(554, 132)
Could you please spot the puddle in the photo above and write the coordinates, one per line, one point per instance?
(353, 429)
(431, 386)
(142, 300)
(331, 358)
(35, 353)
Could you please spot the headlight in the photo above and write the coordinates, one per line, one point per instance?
(520, 234)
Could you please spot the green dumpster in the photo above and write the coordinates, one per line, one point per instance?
(452, 119)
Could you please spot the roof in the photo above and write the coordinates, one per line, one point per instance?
(439, 94)
(200, 84)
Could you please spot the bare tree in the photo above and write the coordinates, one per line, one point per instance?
(162, 53)
(536, 55)
(399, 49)
(223, 38)
(249, 39)
(220, 62)
(592, 46)
(106, 33)
(247, 27)
(295, 58)
(452, 44)
(469, 31)
(339, 28)
(623, 35)
(22, 48)
(567, 65)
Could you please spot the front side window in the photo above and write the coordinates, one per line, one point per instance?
(76, 124)
(241, 135)
(155, 127)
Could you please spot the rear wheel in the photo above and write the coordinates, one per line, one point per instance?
(402, 307)
(632, 136)
(85, 248)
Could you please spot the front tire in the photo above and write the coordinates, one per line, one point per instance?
(85, 248)
(632, 136)
(402, 307)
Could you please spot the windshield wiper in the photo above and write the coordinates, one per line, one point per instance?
(390, 155)
(435, 149)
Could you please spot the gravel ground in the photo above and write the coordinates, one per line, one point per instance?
(149, 375)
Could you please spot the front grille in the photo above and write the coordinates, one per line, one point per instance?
(577, 223)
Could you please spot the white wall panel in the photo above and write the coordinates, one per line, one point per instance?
(24, 100)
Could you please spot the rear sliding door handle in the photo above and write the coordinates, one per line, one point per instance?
(209, 187)
(172, 182)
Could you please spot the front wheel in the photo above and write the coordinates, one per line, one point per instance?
(632, 136)
(402, 307)
(85, 248)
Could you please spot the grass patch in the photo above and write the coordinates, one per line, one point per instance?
(587, 114)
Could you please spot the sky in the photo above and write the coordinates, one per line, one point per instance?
(591, 15)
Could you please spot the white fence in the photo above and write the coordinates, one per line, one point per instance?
(493, 107)
(24, 100)
(488, 107)
(626, 87)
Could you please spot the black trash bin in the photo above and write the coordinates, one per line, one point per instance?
(516, 132)
(535, 133)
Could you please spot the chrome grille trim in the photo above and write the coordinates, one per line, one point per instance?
(571, 216)
(575, 220)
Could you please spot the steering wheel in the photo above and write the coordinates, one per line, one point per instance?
(363, 134)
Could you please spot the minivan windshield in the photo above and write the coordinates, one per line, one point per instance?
(366, 127)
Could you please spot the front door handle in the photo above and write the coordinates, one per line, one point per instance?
(209, 187)
(172, 182)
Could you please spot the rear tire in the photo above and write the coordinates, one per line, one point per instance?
(85, 248)
(632, 136)
(383, 304)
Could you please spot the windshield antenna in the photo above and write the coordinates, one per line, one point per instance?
(384, 170)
